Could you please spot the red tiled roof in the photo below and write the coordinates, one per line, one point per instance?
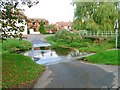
(62, 24)
(37, 19)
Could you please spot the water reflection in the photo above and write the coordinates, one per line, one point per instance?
(43, 55)
(62, 51)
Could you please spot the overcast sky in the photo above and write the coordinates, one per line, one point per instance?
(52, 10)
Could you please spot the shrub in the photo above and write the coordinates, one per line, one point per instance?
(67, 36)
(42, 28)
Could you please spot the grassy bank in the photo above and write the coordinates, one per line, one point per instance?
(106, 57)
(18, 70)
(13, 45)
(83, 45)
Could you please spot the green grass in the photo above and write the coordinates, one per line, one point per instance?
(11, 45)
(106, 57)
(18, 70)
(83, 45)
(97, 48)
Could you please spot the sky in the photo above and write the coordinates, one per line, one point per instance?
(52, 10)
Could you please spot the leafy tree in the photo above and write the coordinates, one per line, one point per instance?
(84, 10)
(91, 25)
(106, 12)
(106, 15)
(11, 15)
(77, 25)
(97, 15)
(42, 28)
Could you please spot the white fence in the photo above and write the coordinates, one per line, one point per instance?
(97, 33)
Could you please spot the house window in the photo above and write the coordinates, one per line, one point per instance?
(44, 23)
(34, 29)
(33, 23)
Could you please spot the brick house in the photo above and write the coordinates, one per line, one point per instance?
(63, 25)
(34, 23)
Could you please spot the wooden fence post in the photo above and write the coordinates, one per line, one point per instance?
(97, 34)
(102, 34)
(106, 33)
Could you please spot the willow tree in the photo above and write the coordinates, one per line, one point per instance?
(84, 10)
(101, 15)
(11, 15)
(106, 15)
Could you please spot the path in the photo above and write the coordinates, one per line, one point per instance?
(38, 37)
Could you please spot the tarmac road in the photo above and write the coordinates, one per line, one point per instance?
(75, 74)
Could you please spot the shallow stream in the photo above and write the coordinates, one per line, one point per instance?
(49, 55)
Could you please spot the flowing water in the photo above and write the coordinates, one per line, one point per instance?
(48, 55)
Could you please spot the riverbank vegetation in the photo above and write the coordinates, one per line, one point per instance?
(74, 41)
(17, 70)
(14, 45)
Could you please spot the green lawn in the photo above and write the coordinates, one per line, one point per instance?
(97, 48)
(106, 57)
(11, 45)
(18, 70)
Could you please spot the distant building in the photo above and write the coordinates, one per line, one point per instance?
(51, 28)
(34, 23)
(63, 25)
